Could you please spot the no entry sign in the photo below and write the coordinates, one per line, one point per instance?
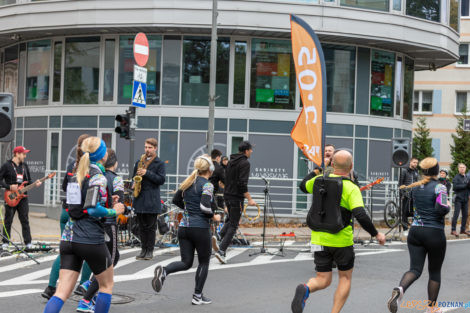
(141, 49)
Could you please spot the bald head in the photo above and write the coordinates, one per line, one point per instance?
(342, 161)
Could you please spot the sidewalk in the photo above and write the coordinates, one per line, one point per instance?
(44, 229)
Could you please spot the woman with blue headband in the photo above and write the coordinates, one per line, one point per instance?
(83, 238)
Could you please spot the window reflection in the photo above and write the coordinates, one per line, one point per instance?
(37, 74)
(425, 9)
(382, 81)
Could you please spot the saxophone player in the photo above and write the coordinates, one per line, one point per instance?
(149, 175)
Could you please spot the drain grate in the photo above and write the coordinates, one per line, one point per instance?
(117, 298)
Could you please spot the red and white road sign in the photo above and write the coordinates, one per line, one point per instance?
(141, 49)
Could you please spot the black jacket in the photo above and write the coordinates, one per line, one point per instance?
(446, 183)
(236, 176)
(461, 186)
(407, 177)
(149, 200)
(217, 176)
(8, 174)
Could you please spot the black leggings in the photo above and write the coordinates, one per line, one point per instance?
(424, 241)
(190, 239)
(112, 245)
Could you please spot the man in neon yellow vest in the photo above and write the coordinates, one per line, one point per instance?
(337, 247)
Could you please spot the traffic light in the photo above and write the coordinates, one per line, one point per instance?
(6, 117)
(124, 125)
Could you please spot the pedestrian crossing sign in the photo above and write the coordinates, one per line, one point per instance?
(139, 94)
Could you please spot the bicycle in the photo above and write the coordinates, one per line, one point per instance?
(392, 210)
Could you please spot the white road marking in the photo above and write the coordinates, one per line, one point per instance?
(22, 292)
(18, 265)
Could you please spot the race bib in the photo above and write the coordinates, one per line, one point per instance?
(19, 178)
(315, 248)
(74, 194)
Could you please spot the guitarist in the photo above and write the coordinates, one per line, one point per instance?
(12, 174)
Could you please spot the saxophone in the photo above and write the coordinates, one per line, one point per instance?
(137, 178)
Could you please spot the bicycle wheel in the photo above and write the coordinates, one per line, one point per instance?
(391, 214)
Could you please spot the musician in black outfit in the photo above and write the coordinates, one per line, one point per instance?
(12, 174)
(407, 177)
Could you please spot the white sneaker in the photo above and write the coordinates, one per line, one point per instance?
(215, 244)
(5, 246)
(29, 246)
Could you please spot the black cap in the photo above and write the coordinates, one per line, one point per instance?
(244, 146)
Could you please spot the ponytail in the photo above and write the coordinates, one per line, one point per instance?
(83, 168)
(424, 181)
(189, 180)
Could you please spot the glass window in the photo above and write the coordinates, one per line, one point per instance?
(108, 139)
(220, 124)
(11, 71)
(463, 53)
(169, 150)
(444, 13)
(54, 165)
(37, 73)
(80, 122)
(408, 89)
(108, 88)
(422, 101)
(196, 67)
(82, 67)
(342, 130)
(57, 71)
(194, 123)
(362, 131)
(382, 81)
(272, 74)
(461, 103)
(265, 126)
(171, 70)
(126, 69)
(239, 74)
(454, 15)
(236, 141)
(149, 122)
(397, 5)
(237, 125)
(428, 10)
(341, 73)
(107, 121)
(464, 10)
(398, 90)
(54, 121)
(169, 122)
(35, 122)
(381, 5)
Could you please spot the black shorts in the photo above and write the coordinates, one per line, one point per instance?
(72, 255)
(343, 257)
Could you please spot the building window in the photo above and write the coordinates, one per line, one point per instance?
(464, 10)
(126, 69)
(454, 15)
(461, 103)
(196, 71)
(239, 73)
(82, 68)
(408, 89)
(341, 72)
(108, 87)
(428, 10)
(422, 102)
(37, 74)
(463, 53)
(272, 74)
(57, 78)
(381, 5)
(382, 73)
(171, 70)
(397, 5)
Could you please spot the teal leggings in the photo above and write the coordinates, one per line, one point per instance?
(54, 276)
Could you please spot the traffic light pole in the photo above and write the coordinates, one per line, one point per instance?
(132, 127)
(212, 78)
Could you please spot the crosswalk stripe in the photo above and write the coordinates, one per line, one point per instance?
(26, 279)
(18, 265)
(21, 292)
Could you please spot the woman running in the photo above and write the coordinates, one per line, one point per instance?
(115, 186)
(426, 236)
(83, 238)
(195, 196)
(64, 218)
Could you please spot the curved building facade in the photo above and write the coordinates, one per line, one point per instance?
(69, 65)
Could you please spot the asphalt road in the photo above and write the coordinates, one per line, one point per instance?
(248, 284)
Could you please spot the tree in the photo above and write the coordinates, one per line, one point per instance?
(460, 150)
(422, 142)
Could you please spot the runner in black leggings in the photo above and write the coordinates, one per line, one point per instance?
(196, 197)
(426, 236)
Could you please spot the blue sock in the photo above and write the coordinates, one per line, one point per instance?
(54, 305)
(103, 302)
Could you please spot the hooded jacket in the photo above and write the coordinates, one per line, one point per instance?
(236, 176)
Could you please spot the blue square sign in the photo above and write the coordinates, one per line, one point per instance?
(139, 94)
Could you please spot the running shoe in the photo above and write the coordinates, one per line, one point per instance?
(198, 300)
(5, 246)
(48, 292)
(392, 303)
(158, 278)
(86, 307)
(220, 255)
(215, 244)
(301, 295)
(82, 289)
(29, 246)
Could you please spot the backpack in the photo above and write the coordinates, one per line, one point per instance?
(326, 213)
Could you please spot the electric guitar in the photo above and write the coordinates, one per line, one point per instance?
(12, 198)
(378, 181)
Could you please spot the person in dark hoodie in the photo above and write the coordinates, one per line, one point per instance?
(461, 185)
(407, 177)
(235, 192)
